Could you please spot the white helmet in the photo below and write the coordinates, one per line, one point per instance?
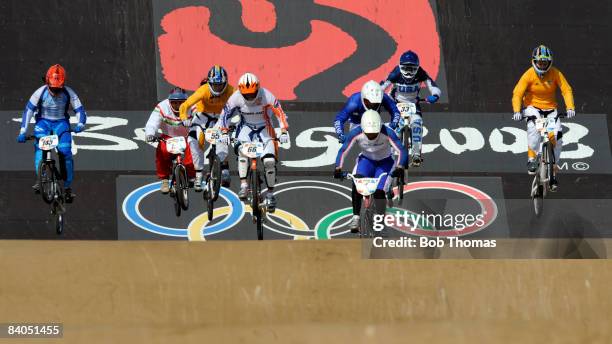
(371, 95)
(248, 85)
(370, 122)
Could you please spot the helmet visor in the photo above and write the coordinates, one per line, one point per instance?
(371, 136)
(249, 96)
(55, 90)
(409, 69)
(217, 87)
(371, 106)
(542, 64)
(176, 105)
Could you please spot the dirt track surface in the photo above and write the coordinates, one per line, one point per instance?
(296, 292)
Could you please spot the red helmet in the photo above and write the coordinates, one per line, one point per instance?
(56, 76)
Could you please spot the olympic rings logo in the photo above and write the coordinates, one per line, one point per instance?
(286, 223)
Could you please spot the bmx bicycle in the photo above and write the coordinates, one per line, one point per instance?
(179, 183)
(49, 178)
(546, 160)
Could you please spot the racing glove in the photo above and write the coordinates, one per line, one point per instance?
(341, 138)
(398, 172)
(150, 138)
(571, 113)
(284, 138)
(79, 127)
(433, 98)
(21, 138)
(517, 116)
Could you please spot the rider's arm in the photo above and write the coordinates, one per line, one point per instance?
(431, 84)
(198, 95)
(278, 112)
(346, 146)
(30, 109)
(397, 145)
(154, 122)
(389, 104)
(343, 116)
(566, 91)
(75, 102)
(519, 92)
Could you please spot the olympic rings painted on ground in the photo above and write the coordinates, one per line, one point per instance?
(327, 227)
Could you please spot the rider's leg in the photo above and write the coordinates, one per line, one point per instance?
(41, 128)
(269, 162)
(533, 141)
(64, 148)
(385, 167)
(416, 126)
(188, 163)
(243, 169)
(557, 140)
(197, 155)
(163, 164)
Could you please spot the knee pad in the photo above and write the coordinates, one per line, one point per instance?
(269, 161)
(269, 169)
(243, 167)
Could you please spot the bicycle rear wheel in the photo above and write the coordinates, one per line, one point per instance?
(182, 186)
(537, 195)
(255, 201)
(59, 223)
(46, 181)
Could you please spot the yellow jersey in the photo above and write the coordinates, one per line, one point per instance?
(532, 90)
(205, 101)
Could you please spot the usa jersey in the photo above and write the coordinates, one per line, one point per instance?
(408, 91)
(43, 105)
(353, 109)
(378, 149)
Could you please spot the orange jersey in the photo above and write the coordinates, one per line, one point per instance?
(532, 90)
(205, 101)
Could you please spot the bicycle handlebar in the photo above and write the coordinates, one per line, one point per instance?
(533, 118)
(33, 137)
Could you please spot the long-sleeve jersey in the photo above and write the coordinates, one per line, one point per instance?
(532, 90)
(408, 91)
(377, 149)
(205, 101)
(256, 115)
(164, 118)
(354, 109)
(44, 105)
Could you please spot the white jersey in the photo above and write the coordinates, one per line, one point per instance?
(378, 149)
(43, 105)
(165, 119)
(258, 113)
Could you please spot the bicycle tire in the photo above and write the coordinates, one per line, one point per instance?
(543, 169)
(182, 186)
(210, 203)
(45, 182)
(215, 175)
(255, 195)
(551, 163)
(59, 223)
(366, 220)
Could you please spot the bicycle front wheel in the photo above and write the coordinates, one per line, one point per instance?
(182, 186)
(366, 220)
(46, 181)
(215, 176)
(255, 200)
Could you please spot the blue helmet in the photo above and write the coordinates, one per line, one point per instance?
(176, 97)
(409, 64)
(541, 59)
(177, 93)
(217, 80)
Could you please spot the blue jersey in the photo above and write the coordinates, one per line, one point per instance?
(377, 149)
(353, 109)
(46, 106)
(408, 90)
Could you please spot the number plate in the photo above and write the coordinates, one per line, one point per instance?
(252, 149)
(176, 145)
(540, 124)
(212, 135)
(48, 142)
(406, 109)
(366, 186)
(552, 124)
